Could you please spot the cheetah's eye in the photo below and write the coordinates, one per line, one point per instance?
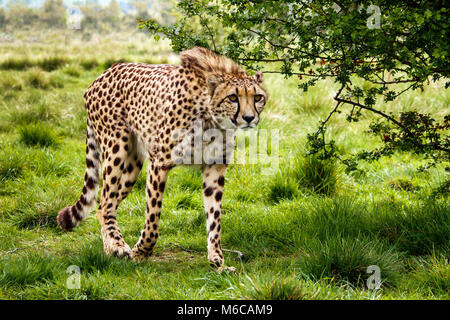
(258, 97)
(233, 98)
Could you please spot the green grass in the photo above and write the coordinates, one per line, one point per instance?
(308, 230)
(318, 176)
(38, 135)
(23, 271)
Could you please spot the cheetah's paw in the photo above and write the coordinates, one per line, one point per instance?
(117, 248)
(227, 270)
(139, 255)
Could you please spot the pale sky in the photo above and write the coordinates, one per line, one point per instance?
(38, 3)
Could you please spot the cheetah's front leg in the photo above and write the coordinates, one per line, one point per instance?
(213, 183)
(156, 183)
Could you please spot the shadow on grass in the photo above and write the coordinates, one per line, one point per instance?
(414, 230)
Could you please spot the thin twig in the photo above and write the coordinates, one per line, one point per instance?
(241, 255)
(374, 111)
(21, 248)
(184, 249)
(333, 111)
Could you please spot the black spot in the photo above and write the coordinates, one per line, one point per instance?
(90, 183)
(221, 181)
(116, 161)
(218, 195)
(209, 191)
(130, 168)
(75, 214)
(212, 226)
(89, 163)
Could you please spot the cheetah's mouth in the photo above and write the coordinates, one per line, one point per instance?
(247, 127)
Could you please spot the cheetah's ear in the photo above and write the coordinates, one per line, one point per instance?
(213, 81)
(258, 77)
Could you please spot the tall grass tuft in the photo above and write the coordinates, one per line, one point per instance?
(347, 259)
(57, 80)
(402, 184)
(275, 287)
(35, 112)
(89, 64)
(416, 230)
(72, 70)
(430, 274)
(37, 78)
(442, 190)
(41, 205)
(319, 176)
(92, 259)
(47, 63)
(281, 188)
(12, 165)
(26, 270)
(11, 82)
(38, 135)
(52, 63)
(16, 64)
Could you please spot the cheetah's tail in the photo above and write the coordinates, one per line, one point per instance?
(70, 217)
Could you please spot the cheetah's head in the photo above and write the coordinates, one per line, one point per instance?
(236, 99)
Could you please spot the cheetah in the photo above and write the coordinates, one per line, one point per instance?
(135, 112)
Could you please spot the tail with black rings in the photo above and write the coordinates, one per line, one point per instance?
(70, 217)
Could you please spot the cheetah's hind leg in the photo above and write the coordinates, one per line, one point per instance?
(120, 172)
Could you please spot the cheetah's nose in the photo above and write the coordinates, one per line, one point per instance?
(248, 118)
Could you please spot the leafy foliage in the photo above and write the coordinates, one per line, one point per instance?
(374, 53)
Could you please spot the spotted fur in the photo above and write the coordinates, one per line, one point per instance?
(134, 112)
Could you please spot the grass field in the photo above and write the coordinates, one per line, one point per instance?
(308, 231)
